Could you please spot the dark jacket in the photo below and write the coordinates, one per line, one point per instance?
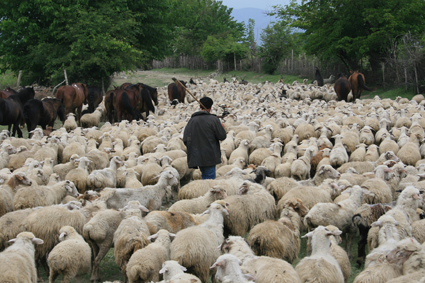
(201, 137)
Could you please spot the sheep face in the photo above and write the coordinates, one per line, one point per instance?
(404, 250)
(297, 206)
(328, 172)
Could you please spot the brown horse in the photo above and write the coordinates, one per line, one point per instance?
(110, 105)
(342, 87)
(5, 93)
(357, 82)
(126, 101)
(176, 93)
(73, 97)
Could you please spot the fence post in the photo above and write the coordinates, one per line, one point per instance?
(383, 75)
(18, 82)
(66, 78)
(405, 77)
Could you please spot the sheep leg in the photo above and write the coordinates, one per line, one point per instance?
(101, 254)
(361, 246)
(53, 276)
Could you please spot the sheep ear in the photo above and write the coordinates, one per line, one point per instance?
(377, 224)
(334, 233)
(143, 208)
(37, 241)
(61, 236)
(217, 263)
(163, 270)
(11, 241)
(154, 236)
(249, 276)
(172, 235)
(308, 235)
(205, 212)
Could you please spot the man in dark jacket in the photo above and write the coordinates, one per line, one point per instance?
(202, 136)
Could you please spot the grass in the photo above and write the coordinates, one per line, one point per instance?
(8, 80)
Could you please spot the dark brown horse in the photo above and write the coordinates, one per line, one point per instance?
(11, 115)
(176, 93)
(73, 97)
(357, 82)
(126, 101)
(110, 105)
(5, 93)
(43, 113)
(342, 87)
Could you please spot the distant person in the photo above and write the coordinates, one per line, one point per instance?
(202, 136)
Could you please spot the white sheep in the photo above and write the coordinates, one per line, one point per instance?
(107, 177)
(80, 174)
(173, 272)
(17, 262)
(241, 151)
(28, 197)
(71, 257)
(229, 270)
(321, 265)
(198, 205)
(300, 168)
(70, 124)
(145, 264)
(338, 154)
(91, 119)
(131, 180)
(196, 247)
(148, 196)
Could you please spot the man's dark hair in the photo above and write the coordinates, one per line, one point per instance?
(207, 102)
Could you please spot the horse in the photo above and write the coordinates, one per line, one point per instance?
(176, 93)
(43, 113)
(125, 102)
(73, 97)
(318, 78)
(357, 82)
(5, 93)
(110, 105)
(94, 98)
(23, 95)
(342, 87)
(11, 115)
(147, 95)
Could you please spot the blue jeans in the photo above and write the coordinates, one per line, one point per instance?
(208, 172)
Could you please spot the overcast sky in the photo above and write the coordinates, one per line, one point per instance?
(261, 4)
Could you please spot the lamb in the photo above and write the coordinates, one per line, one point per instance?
(80, 174)
(70, 124)
(340, 254)
(339, 214)
(229, 270)
(265, 269)
(229, 144)
(324, 172)
(272, 162)
(148, 196)
(170, 221)
(381, 191)
(47, 167)
(131, 235)
(131, 181)
(360, 167)
(150, 170)
(99, 179)
(300, 168)
(307, 194)
(366, 135)
(174, 272)
(338, 155)
(321, 265)
(44, 195)
(196, 247)
(99, 233)
(388, 238)
(251, 206)
(372, 153)
(241, 151)
(71, 257)
(63, 169)
(73, 148)
(280, 186)
(145, 264)
(279, 239)
(47, 221)
(359, 154)
(404, 213)
(198, 205)
(409, 153)
(17, 262)
(91, 119)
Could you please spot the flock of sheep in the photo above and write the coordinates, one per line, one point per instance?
(295, 163)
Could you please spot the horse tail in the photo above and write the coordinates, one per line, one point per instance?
(125, 101)
(362, 84)
(147, 100)
(175, 92)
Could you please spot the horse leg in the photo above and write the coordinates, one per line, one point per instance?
(79, 115)
(18, 128)
(9, 127)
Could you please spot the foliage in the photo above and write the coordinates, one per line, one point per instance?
(353, 30)
(278, 42)
(90, 39)
(225, 49)
(198, 19)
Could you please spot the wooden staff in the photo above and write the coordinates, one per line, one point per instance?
(176, 80)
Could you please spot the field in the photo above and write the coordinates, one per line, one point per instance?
(162, 77)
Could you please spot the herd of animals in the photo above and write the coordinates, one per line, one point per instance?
(298, 161)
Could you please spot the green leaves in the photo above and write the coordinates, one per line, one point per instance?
(91, 39)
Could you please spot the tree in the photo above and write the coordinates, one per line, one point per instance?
(198, 19)
(90, 39)
(223, 48)
(353, 30)
(278, 42)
